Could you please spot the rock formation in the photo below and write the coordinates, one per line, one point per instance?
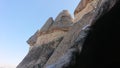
(87, 41)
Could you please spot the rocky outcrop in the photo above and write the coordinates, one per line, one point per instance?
(87, 41)
(85, 7)
(45, 41)
(47, 25)
(52, 29)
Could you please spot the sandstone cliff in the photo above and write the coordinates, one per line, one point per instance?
(87, 41)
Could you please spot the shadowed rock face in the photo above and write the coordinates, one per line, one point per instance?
(101, 48)
(90, 42)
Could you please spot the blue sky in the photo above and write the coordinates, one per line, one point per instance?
(19, 19)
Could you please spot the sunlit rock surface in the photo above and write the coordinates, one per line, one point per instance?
(90, 40)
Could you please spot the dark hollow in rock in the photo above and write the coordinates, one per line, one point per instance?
(101, 48)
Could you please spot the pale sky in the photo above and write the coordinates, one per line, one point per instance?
(19, 19)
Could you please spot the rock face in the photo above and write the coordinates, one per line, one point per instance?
(52, 29)
(87, 41)
(85, 7)
(45, 41)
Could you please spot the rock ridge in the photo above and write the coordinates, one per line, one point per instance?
(60, 26)
(87, 41)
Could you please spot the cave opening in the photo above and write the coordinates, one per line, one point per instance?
(102, 45)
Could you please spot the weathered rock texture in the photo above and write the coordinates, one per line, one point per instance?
(85, 7)
(90, 40)
(44, 41)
